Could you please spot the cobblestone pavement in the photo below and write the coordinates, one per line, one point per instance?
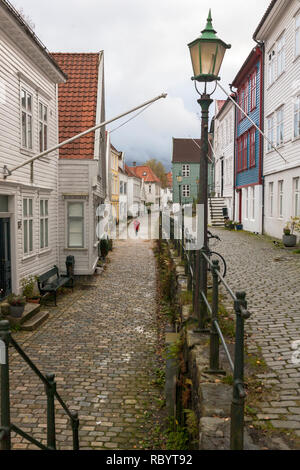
(271, 278)
(101, 345)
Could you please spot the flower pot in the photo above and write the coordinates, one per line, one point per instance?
(239, 227)
(34, 300)
(16, 311)
(289, 240)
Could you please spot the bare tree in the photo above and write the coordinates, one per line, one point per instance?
(25, 17)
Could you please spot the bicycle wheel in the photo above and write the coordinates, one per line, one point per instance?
(222, 264)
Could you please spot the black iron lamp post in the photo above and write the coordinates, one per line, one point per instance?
(207, 53)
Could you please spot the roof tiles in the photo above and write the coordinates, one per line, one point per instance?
(145, 173)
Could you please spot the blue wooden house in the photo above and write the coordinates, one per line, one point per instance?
(248, 143)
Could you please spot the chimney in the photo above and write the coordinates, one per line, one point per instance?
(133, 163)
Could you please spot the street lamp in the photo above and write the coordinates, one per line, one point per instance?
(207, 54)
(179, 181)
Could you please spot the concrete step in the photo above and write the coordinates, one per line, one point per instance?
(34, 322)
(30, 310)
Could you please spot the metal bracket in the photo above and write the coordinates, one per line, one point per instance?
(6, 172)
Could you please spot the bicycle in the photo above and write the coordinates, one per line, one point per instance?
(213, 255)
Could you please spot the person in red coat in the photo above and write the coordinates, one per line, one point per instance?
(136, 225)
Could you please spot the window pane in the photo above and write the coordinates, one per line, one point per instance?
(40, 111)
(41, 136)
(25, 207)
(23, 99)
(42, 233)
(29, 132)
(30, 207)
(29, 102)
(45, 137)
(24, 133)
(30, 235)
(41, 208)
(25, 228)
(46, 232)
(46, 207)
(75, 240)
(45, 114)
(75, 209)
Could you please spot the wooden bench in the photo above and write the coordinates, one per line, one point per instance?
(48, 285)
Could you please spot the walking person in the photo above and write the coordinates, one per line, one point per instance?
(136, 225)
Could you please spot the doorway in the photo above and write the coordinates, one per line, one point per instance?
(5, 258)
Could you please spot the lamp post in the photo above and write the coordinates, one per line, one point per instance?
(179, 181)
(207, 53)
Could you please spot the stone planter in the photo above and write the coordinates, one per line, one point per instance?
(289, 240)
(16, 311)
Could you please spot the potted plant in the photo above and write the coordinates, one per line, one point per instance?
(28, 288)
(238, 225)
(17, 305)
(229, 224)
(288, 238)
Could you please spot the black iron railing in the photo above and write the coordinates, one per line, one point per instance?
(216, 335)
(6, 426)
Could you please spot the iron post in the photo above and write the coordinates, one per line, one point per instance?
(50, 391)
(5, 442)
(75, 428)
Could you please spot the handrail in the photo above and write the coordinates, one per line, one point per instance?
(50, 388)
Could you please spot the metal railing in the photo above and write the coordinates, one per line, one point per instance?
(216, 335)
(6, 426)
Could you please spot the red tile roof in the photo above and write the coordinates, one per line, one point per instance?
(77, 101)
(146, 173)
(129, 172)
(219, 105)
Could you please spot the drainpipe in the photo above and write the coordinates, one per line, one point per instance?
(234, 154)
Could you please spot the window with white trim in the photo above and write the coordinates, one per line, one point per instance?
(121, 187)
(247, 203)
(270, 132)
(297, 116)
(26, 119)
(27, 226)
(44, 223)
(75, 224)
(271, 199)
(296, 190)
(185, 170)
(281, 55)
(297, 35)
(280, 126)
(280, 199)
(271, 66)
(253, 203)
(43, 127)
(186, 190)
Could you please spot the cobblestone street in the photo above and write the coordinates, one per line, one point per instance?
(270, 276)
(101, 344)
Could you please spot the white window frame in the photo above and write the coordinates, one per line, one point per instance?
(185, 190)
(271, 66)
(44, 224)
(24, 111)
(271, 199)
(280, 126)
(296, 114)
(280, 199)
(247, 203)
(185, 171)
(281, 55)
(43, 144)
(296, 196)
(271, 126)
(253, 203)
(27, 214)
(81, 218)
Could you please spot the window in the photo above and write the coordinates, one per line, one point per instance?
(297, 35)
(270, 132)
(121, 187)
(185, 170)
(271, 67)
(75, 225)
(27, 225)
(253, 91)
(271, 199)
(240, 154)
(280, 199)
(280, 55)
(280, 126)
(297, 117)
(150, 188)
(247, 203)
(44, 223)
(43, 127)
(241, 101)
(245, 152)
(253, 203)
(125, 188)
(26, 118)
(252, 148)
(246, 98)
(296, 188)
(186, 190)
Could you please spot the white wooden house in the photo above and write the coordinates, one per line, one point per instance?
(82, 164)
(29, 78)
(279, 30)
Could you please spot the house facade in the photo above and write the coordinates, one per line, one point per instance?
(279, 30)
(152, 184)
(115, 158)
(166, 195)
(136, 194)
(249, 143)
(82, 164)
(223, 146)
(29, 78)
(123, 189)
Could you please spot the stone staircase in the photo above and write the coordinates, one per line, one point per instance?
(215, 213)
(31, 318)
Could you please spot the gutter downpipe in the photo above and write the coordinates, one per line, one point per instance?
(234, 154)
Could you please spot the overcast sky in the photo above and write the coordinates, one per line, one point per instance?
(145, 53)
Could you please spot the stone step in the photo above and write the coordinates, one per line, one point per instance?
(34, 322)
(30, 310)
